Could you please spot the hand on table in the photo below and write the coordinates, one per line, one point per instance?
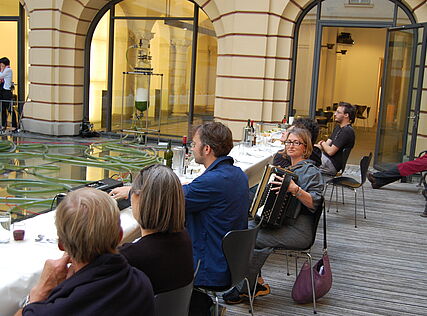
(120, 192)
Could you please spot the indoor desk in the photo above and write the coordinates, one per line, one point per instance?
(21, 262)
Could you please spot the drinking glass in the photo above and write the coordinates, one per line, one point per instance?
(5, 220)
(18, 231)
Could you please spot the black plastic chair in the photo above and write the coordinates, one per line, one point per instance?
(238, 247)
(298, 253)
(351, 183)
(175, 302)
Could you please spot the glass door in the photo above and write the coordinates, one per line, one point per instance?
(400, 96)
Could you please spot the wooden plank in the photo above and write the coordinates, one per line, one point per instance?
(379, 268)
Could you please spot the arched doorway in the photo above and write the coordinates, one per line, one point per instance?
(182, 44)
(341, 55)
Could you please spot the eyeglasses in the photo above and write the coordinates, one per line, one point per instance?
(295, 143)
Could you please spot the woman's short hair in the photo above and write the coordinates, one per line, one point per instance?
(305, 135)
(217, 136)
(309, 124)
(161, 199)
(88, 224)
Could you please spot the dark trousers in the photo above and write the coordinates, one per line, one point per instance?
(6, 107)
(388, 176)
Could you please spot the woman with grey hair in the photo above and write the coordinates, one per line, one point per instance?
(99, 281)
(164, 252)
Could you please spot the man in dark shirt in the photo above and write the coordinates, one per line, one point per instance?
(342, 137)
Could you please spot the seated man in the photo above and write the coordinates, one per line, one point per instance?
(215, 202)
(99, 281)
(342, 137)
(404, 169)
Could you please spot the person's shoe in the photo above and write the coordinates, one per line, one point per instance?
(233, 296)
(15, 130)
(371, 179)
(261, 290)
(424, 214)
(221, 310)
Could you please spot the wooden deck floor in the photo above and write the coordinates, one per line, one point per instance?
(379, 268)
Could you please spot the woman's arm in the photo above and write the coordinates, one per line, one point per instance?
(303, 196)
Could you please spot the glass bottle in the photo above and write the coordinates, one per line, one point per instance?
(253, 133)
(246, 132)
(168, 155)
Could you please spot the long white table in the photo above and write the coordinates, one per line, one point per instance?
(21, 262)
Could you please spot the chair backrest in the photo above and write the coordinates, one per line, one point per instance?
(345, 154)
(368, 109)
(175, 302)
(360, 109)
(364, 166)
(317, 214)
(238, 247)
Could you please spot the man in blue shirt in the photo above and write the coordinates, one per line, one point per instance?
(215, 202)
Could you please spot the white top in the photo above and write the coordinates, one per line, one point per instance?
(7, 76)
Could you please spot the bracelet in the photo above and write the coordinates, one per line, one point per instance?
(296, 194)
(25, 301)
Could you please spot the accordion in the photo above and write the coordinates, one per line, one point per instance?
(275, 208)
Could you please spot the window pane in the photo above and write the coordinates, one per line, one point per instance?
(168, 90)
(155, 8)
(402, 18)
(304, 68)
(98, 109)
(205, 71)
(9, 31)
(379, 10)
(9, 8)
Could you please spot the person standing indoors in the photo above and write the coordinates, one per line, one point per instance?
(6, 76)
(343, 136)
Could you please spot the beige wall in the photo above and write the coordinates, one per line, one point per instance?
(255, 39)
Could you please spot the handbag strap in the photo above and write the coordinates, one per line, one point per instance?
(325, 245)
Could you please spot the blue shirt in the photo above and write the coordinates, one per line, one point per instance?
(215, 203)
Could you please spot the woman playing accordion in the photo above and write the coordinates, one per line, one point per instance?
(292, 234)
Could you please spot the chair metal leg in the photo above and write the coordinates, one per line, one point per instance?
(312, 283)
(342, 195)
(287, 264)
(251, 295)
(336, 199)
(330, 200)
(216, 305)
(364, 210)
(355, 208)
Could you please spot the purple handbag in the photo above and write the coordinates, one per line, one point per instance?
(322, 274)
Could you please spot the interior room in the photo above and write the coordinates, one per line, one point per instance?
(350, 70)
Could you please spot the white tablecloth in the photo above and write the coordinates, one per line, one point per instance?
(21, 262)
